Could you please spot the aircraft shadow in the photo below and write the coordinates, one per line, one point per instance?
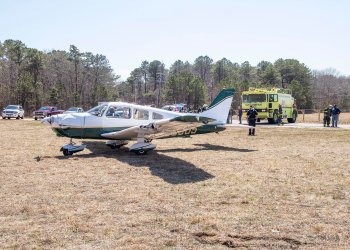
(171, 169)
(207, 147)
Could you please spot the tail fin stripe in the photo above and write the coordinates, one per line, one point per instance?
(218, 103)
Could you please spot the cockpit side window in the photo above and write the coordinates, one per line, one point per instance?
(118, 112)
(140, 114)
(157, 116)
(99, 110)
(273, 98)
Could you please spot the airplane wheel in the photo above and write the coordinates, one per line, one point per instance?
(17, 118)
(66, 152)
(9, 118)
(141, 152)
(35, 118)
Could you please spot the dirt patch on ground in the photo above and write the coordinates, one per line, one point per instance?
(284, 188)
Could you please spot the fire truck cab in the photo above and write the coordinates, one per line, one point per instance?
(267, 101)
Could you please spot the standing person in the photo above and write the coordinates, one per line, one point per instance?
(279, 115)
(327, 112)
(251, 116)
(205, 107)
(240, 113)
(335, 115)
(229, 117)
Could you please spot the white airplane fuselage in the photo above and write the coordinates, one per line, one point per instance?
(90, 125)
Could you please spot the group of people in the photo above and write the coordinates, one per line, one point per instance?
(331, 112)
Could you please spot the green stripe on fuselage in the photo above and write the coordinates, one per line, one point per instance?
(95, 133)
(88, 133)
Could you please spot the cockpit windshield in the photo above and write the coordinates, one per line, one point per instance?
(99, 110)
(254, 98)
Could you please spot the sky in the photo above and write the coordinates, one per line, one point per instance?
(130, 31)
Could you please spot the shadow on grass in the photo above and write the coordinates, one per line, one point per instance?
(207, 147)
(171, 169)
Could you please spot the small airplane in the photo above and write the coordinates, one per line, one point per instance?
(120, 122)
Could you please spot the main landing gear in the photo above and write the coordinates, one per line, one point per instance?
(142, 146)
(71, 148)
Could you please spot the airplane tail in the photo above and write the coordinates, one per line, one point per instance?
(220, 106)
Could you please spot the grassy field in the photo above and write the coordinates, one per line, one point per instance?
(284, 188)
(344, 118)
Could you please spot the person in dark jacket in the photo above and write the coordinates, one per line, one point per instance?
(229, 117)
(280, 115)
(327, 112)
(335, 115)
(240, 113)
(251, 116)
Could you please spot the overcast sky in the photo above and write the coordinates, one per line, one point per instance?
(128, 32)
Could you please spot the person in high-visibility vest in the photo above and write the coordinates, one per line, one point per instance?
(327, 113)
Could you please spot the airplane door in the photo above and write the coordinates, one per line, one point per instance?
(117, 117)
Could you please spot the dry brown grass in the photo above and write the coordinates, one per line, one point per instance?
(285, 188)
(344, 118)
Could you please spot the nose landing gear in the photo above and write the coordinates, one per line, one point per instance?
(142, 146)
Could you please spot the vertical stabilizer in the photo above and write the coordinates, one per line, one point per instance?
(220, 107)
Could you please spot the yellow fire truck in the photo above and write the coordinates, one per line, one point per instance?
(267, 101)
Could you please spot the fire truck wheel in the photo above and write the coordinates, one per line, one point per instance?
(294, 117)
(275, 117)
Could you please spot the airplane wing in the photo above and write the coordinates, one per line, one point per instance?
(163, 128)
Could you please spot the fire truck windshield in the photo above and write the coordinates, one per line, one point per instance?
(254, 98)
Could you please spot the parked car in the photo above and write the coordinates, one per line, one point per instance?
(180, 107)
(46, 111)
(74, 110)
(170, 108)
(13, 111)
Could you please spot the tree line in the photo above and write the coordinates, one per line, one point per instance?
(33, 78)
(197, 83)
